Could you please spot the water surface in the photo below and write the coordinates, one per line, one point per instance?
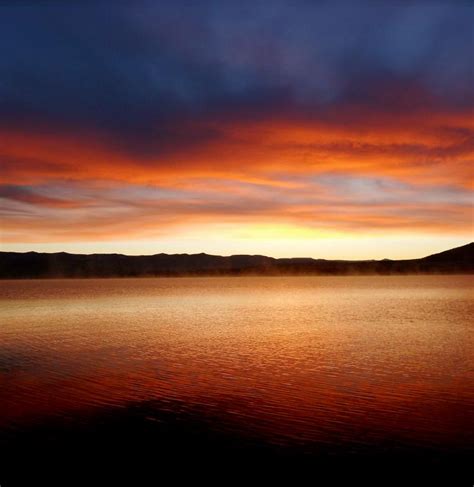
(347, 366)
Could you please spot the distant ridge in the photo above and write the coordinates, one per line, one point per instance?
(31, 265)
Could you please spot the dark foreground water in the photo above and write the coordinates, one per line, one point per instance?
(346, 375)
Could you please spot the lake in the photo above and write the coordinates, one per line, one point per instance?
(326, 369)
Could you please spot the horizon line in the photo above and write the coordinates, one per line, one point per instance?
(229, 256)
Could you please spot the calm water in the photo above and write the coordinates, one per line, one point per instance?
(315, 365)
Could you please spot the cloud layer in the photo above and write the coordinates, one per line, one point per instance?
(127, 120)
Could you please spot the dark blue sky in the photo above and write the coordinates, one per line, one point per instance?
(126, 66)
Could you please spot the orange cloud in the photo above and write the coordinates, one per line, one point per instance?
(436, 147)
(351, 171)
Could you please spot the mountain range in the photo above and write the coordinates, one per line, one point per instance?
(30, 265)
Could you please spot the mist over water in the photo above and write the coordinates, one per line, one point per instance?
(315, 365)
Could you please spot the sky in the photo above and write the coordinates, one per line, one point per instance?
(324, 129)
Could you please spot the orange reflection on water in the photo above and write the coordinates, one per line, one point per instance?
(292, 360)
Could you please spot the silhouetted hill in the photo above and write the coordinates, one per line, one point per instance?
(461, 255)
(14, 265)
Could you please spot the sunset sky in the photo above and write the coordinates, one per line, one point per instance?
(285, 128)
